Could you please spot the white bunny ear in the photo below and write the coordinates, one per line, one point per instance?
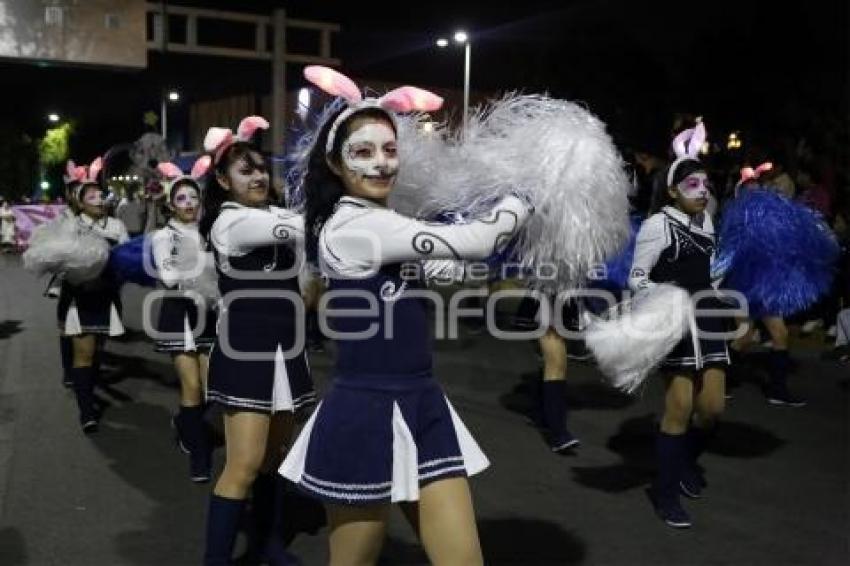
(698, 137)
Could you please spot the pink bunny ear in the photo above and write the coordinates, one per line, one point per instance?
(169, 170)
(763, 168)
(697, 140)
(216, 137)
(747, 173)
(71, 168)
(679, 143)
(95, 168)
(201, 166)
(333, 82)
(409, 99)
(248, 126)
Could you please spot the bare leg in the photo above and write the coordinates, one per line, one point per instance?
(246, 435)
(188, 369)
(447, 523)
(357, 534)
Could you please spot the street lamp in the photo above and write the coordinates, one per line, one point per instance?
(53, 117)
(171, 96)
(45, 185)
(462, 37)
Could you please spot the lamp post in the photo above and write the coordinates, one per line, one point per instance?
(462, 38)
(170, 96)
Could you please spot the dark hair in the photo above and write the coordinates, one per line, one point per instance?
(322, 187)
(215, 195)
(661, 193)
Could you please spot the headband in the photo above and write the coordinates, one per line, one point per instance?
(172, 174)
(403, 99)
(218, 140)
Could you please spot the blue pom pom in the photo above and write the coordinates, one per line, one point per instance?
(617, 268)
(779, 253)
(127, 262)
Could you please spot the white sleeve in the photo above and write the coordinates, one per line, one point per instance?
(166, 264)
(364, 238)
(651, 241)
(238, 231)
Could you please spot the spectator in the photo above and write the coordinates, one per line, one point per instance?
(131, 211)
(7, 227)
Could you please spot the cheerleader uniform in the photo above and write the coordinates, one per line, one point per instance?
(94, 307)
(178, 315)
(385, 427)
(674, 248)
(256, 363)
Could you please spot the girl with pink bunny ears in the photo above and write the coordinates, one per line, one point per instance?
(90, 311)
(184, 330)
(385, 432)
(258, 370)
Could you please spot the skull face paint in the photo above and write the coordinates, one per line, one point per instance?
(370, 151)
(695, 186)
(185, 197)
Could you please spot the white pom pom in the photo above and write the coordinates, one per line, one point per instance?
(555, 152)
(632, 341)
(59, 247)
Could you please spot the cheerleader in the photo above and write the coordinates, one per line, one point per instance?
(385, 431)
(776, 392)
(71, 178)
(187, 333)
(675, 245)
(256, 247)
(90, 309)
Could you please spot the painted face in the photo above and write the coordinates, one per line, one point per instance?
(92, 201)
(370, 159)
(695, 186)
(185, 201)
(692, 192)
(247, 180)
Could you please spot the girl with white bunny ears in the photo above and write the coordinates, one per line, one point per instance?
(676, 246)
(179, 316)
(385, 432)
(258, 370)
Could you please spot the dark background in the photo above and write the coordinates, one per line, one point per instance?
(774, 74)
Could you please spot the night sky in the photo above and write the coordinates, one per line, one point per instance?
(769, 72)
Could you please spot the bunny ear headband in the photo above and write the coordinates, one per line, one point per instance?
(686, 146)
(748, 173)
(403, 99)
(83, 175)
(172, 174)
(218, 140)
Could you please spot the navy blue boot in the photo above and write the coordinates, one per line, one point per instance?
(777, 392)
(84, 390)
(66, 352)
(193, 439)
(222, 526)
(555, 416)
(266, 544)
(692, 480)
(671, 450)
